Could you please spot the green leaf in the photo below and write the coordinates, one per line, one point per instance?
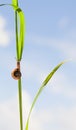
(22, 29)
(22, 33)
(15, 2)
(41, 89)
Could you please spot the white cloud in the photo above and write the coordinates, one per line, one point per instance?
(2, 22)
(55, 118)
(67, 47)
(4, 33)
(30, 69)
(64, 118)
(9, 116)
(61, 85)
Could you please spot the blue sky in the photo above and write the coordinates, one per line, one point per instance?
(50, 38)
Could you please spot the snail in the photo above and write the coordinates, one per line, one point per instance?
(16, 74)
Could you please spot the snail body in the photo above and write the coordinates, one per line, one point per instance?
(16, 74)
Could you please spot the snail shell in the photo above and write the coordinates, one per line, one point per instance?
(16, 74)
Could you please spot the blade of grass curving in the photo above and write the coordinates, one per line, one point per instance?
(20, 39)
(20, 44)
(22, 33)
(41, 89)
(15, 2)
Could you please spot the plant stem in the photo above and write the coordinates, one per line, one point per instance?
(20, 103)
(16, 30)
(19, 81)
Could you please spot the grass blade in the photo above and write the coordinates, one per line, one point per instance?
(41, 89)
(22, 33)
(16, 32)
(20, 45)
(15, 2)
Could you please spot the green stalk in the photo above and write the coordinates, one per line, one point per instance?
(20, 103)
(19, 81)
(16, 29)
(19, 50)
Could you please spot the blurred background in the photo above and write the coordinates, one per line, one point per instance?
(50, 38)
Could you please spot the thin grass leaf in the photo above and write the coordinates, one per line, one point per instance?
(22, 30)
(41, 89)
(15, 2)
(16, 33)
(22, 34)
(20, 43)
